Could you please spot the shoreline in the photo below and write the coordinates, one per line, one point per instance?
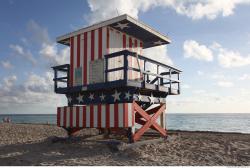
(31, 144)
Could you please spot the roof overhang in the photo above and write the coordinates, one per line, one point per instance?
(128, 25)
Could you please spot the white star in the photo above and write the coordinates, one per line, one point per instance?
(79, 98)
(127, 95)
(139, 97)
(158, 42)
(151, 99)
(116, 95)
(69, 99)
(102, 97)
(122, 25)
(91, 96)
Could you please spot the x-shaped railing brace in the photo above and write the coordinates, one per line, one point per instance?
(150, 121)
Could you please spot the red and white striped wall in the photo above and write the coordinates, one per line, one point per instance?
(119, 115)
(94, 45)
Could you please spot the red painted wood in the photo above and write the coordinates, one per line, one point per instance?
(124, 41)
(77, 116)
(71, 117)
(91, 116)
(116, 115)
(107, 43)
(99, 116)
(125, 115)
(92, 45)
(64, 116)
(130, 58)
(84, 117)
(78, 51)
(71, 61)
(107, 116)
(100, 43)
(58, 115)
(85, 57)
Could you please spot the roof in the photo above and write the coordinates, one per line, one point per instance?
(128, 25)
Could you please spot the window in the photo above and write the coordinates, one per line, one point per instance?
(78, 76)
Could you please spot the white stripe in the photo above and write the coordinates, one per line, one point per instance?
(104, 40)
(129, 114)
(96, 43)
(103, 116)
(87, 116)
(75, 58)
(120, 112)
(95, 116)
(68, 117)
(61, 116)
(74, 116)
(88, 54)
(80, 116)
(111, 121)
(81, 54)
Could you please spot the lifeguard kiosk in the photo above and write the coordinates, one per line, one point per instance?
(109, 84)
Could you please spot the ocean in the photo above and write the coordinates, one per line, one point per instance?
(190, 122)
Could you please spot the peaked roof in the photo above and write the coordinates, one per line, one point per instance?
(128, 25)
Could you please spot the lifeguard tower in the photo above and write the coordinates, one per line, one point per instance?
(109, 84)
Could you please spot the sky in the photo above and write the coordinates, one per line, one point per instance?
(210, 44)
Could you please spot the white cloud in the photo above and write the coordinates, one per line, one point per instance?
(158, 53)
(37, 89)
(194, 9)
(7, 64)
(200, 73)
(54, 55)
(225, 84)
(231, 59)
(39, 34)
(19, 50)
(193, 49)
(185, 86)
(244, 77)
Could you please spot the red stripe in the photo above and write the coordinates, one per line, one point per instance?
(133, 114)
(141, 61)
(71, 60)
(125, 115)
(107, 116)
(85, 58)
(78, 51)
(77, 116)
(92, 45)
(71, 117)
(124, 41)
(116, 117)
(64, 116)
(130, 58)
(91, 116)
(107, 43)
(84, 116)
(100, 43)
(135, 63)
(58, 115)
(99, 116)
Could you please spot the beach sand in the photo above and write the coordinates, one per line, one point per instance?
(31, 144)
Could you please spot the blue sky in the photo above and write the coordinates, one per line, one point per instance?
(210, 43)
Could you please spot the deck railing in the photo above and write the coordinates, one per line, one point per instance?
(151, 73)
(165, 75)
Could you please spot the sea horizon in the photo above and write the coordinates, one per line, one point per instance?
(215, 122)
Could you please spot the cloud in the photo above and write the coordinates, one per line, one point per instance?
(37, 89)
(194, 9)
(232, 59)
(244, 77)
(19, 50)
(158, 53)
(200, 73)
(193, 49)
(7, 64)
(225, 84)
(38, 33)
(54, 55)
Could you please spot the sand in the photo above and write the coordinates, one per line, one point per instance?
(29, 144)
